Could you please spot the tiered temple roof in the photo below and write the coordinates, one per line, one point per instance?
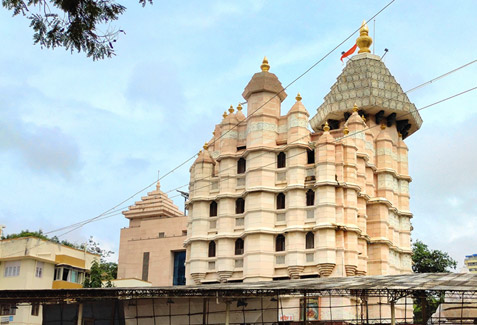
(366, 82)
(155, 204)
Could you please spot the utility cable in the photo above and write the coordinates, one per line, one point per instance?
(249, 115)
(350, 134)
(410, 90)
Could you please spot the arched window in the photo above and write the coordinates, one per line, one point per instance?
(310, 240)
(212, 249)
(280, 201)
(310, 156)
(241, 166)
(239, 206)
(310, 198)
(239, 246)
(213, 209)
(280, 243)
(281, 160)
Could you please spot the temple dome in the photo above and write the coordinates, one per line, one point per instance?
(264, 81)
(367, 82)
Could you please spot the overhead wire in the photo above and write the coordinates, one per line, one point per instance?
(249, 115)
(283, 146)
(107, 213)
(349, 135)
(111, 212)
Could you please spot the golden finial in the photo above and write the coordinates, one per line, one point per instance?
(200, 151)
(383, 126)
(363, 118)
(225, 114)
(345, 130)
(327, 127)
(364, 41)
(355, 108)
(213, 133)
(239, 107)
(206, 146)
(265, 66)
(231, 109)
(298, 97)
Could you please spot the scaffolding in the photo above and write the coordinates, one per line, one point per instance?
(346, 300)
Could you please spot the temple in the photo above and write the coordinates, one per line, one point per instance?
(151, 249)
(270, 199)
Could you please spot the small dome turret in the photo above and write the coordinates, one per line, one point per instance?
(264, 81)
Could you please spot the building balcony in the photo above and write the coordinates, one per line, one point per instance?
(58, 284)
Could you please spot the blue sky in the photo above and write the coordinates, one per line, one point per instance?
(77, 137)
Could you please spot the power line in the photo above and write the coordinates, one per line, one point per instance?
(410, 90)
(249, 115)
(113, 210)
(351, 134)
(441, 76)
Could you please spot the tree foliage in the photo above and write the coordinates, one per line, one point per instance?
(425, 260)
(72, 24)
(101, 274)
(41, 235)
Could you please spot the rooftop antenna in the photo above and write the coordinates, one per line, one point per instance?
(185, 195)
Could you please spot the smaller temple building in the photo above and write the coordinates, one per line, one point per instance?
(151, 248)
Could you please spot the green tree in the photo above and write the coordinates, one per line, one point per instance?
(425, 260)
(72, 24)
(101, 272)
(101, 275)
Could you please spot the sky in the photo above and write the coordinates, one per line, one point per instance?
(78, 137)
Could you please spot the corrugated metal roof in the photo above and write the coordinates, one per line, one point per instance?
(371, 285)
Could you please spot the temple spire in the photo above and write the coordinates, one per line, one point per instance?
(265, 66)
(364, 41)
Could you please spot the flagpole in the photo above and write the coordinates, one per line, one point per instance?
(374, 33)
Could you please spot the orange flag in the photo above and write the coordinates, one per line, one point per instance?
(349, 52)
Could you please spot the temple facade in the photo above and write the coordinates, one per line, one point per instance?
(151, 248)
(271, 199)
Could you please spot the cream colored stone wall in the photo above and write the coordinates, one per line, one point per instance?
(360, 218)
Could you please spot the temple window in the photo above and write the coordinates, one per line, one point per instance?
(310, 156)
(239, 206)
(280, 201)
(280, 243)
(239, 246)
(310, 198)
(310, 240)
(281, 160)
(212, 249)
(241, 166)
(213, 209)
